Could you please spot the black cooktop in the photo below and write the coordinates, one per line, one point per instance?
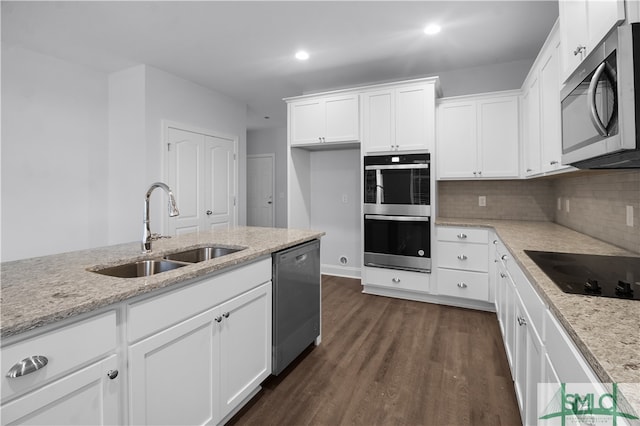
(592, 275)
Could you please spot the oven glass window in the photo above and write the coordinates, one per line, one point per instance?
(397, 186)
(403, 238)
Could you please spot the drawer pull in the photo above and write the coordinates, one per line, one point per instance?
(112, 374)
(504, 257)
(462, 236)
(462, 257)
(226, 315)
(522, 321)
(218, 319)
(395, 280)
(27, 366)
(503, 275)
(462, 285)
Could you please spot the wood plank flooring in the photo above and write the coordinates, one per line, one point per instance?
(386, 361)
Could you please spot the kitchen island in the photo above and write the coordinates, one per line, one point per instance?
(190, 344)
(605, 330)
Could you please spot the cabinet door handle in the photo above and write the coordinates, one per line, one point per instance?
(218, 318)
(112, 374)
(522, 321)
(27, 366)
(503, 275)
(553, 163)
(529, 170)
(209, 212)
(480, 173)
(504, 257)
(462, 236)
(579, 49)
(462, 257)
(226, 315)
(395, 280)
(462, 285)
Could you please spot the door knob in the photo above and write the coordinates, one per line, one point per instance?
(209, 212)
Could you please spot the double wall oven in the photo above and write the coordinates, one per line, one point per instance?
(397, 211)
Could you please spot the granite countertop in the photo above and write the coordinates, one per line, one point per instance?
(42, 290)
(605, 330)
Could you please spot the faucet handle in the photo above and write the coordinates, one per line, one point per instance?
(156, 237)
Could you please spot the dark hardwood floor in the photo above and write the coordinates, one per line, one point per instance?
(386, 361)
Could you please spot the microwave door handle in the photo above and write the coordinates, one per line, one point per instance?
(593, 85)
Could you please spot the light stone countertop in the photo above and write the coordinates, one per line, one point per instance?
(42, 290)
(605, 330)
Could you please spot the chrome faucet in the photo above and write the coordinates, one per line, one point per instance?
(173, 211)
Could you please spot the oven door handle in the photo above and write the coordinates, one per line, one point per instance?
(397, 218)
(398, 166)
(593, 85)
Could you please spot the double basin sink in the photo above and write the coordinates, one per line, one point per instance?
(146, 268)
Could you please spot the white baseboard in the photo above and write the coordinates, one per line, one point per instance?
(341, 271)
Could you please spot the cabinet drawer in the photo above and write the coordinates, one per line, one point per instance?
(464, 284)
(469, 257)
(463, 234)
(65, 348)
(153, 314)
(400, 280)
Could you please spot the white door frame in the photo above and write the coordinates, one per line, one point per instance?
(273, 182)
(166, 125)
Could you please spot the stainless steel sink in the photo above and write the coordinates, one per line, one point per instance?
(142, 268)
(201, 254)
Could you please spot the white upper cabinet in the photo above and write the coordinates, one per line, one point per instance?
(478, 137)
(329, 119)
(541, 127)
(399, 118)
(583, 24)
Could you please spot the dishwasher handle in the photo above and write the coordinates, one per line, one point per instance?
(302, 258)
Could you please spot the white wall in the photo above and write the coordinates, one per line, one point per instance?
(143, 99)
(336, 174)
(489, 78)
(80, 148)
(54, 155)
(273, 141)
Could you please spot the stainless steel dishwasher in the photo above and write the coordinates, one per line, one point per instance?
(296, 302)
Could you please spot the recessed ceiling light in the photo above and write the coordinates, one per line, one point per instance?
(302, 55)
(432, 29)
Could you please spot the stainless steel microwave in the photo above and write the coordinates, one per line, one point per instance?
(599, 105)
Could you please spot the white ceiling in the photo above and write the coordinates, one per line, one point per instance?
(245, 49)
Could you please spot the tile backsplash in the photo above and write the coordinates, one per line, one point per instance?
(505, 199)
(598, 203)
(595, 203)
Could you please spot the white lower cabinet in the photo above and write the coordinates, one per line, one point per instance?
(529, 353)
(537, 346)
(85, 397)
(198, 371)
(80, 383)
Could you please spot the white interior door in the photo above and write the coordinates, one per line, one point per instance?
(202, 173)
(260, 188)
(186, 176)
(220, 197)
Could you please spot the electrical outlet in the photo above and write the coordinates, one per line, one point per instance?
(567, 207)
(559, 203)
(345, 198)
(629, 215)
(482, 201)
